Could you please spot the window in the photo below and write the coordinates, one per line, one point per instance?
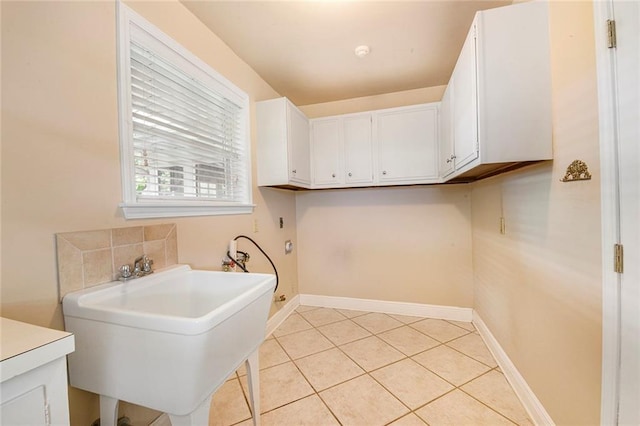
(184, 138)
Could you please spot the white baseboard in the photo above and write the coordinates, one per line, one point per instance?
(400, 308)
(284, 312)
(534, 407)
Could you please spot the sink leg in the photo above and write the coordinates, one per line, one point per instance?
(199, 417)
(253, 372)
(108, 411)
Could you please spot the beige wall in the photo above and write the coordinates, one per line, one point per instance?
(60, 155)
(397, 244)
(368, 103)
(538, 287)
(410, 244)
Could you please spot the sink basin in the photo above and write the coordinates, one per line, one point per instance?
(167, 341)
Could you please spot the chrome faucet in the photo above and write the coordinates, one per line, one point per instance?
(141, 267)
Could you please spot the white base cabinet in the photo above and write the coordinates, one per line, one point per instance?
(496, 111)
(33, 371)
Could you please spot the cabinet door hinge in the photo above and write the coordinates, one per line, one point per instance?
(618, 258)
(611, 34)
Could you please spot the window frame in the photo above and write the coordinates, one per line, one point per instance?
(138, 208)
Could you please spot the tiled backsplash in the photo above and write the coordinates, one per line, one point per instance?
(89, 258)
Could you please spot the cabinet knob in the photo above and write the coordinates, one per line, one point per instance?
(453, 157)
(293, 171)
(333, 175)
(448, 160)
(384, 172)
(350, 174)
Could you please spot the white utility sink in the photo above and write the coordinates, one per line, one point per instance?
(169, 340)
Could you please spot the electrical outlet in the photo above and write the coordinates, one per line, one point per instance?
(288, 247)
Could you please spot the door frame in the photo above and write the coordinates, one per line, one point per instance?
(610, 210)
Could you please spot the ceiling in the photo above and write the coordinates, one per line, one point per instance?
(305, 49)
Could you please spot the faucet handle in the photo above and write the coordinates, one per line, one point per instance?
(125, 272)
(146, 265)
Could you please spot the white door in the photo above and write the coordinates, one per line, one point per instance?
(619, 98)
(627, 17)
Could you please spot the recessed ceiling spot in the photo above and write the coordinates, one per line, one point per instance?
(362, 51)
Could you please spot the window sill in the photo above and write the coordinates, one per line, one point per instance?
(162, 210)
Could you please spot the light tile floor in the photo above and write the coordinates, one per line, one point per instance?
(338, 367)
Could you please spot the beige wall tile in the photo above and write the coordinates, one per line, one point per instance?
(89, 240)
(158, 232)
(172, 247)
(156, 250)
(98, 267)
(69, 267)
(126, 236)
(125, 255)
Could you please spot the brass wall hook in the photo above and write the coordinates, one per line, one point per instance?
(578, 170)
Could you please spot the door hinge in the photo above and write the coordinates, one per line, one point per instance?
(611, 34)
(618, 258)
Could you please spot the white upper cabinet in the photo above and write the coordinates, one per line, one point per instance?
(501, 92)
(358, 149)
(464, 104)
(445, 145)
(326, 150)
(393, 146)
(341, 151)
(283, 147)
(407, 144)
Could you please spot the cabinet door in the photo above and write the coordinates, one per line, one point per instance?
(465, 103)
(358, 150)
(446, 132)
(407, 144)
(299, 147)
(326, 144)
(27, 409)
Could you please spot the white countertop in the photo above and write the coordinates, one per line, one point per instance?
(26, 346)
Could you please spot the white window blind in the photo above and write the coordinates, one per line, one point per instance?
(184, 138)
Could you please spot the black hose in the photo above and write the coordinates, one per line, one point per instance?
(261, 251)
